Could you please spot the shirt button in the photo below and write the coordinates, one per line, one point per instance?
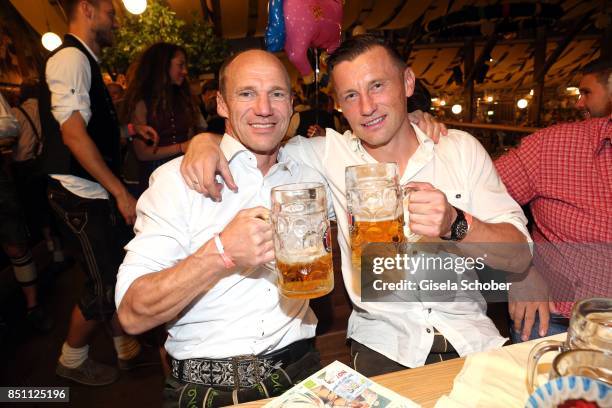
(429, 310)
(458, 196)
(428, 330)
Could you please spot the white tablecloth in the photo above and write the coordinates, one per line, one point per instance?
(496, 378)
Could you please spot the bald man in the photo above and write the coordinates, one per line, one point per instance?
(198, 265)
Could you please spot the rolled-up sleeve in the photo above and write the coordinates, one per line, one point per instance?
(68, 75)
(519, 169)
(162, 230)
(491, 202)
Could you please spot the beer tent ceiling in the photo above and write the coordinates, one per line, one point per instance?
(431, 31)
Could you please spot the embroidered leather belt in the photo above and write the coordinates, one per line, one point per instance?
(242, 371)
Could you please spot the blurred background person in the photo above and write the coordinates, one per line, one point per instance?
(158, 95)
(595, 101)
(208, 107)
(14, 234)
(116, 93)
(314, 120)
(30, 180)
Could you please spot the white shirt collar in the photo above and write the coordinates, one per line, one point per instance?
(231, 147)
(93, 54)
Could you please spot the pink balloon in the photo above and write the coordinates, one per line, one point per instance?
(311, 23)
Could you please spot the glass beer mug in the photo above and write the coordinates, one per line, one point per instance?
(590, 328)
(594, 364)
(375, 208)
(302, 240)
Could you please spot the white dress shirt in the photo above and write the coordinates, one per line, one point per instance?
(460, 167)
(68, 75)
(243, 313)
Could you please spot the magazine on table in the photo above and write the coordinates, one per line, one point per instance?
(337, 385)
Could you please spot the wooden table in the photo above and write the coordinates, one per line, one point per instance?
(423, 385)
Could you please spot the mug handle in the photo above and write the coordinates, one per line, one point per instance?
(405, 200)
(534, 356)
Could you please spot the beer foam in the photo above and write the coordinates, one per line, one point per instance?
(301, 257)
(365, 218)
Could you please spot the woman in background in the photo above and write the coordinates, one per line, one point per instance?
(158, 95)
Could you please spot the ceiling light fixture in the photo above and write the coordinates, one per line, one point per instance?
(522, 103)
(49, 40)
(135, 6)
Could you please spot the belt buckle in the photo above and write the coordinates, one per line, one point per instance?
(246, 366)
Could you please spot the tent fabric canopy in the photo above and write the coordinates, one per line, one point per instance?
(432, 58)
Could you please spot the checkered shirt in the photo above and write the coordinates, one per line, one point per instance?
(565, 174)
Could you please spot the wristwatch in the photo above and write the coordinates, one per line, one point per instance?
(459, 227)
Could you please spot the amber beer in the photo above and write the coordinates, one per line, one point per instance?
(365, 232)
(375, 209)
(313, 277)
(302, 240)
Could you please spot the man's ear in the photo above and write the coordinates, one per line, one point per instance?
(87, 9)
(222, 109)
(409, 81)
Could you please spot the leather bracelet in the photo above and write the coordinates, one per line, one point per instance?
(227, 261)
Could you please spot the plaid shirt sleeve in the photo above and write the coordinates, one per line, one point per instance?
(519, 168)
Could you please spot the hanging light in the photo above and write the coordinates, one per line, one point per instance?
(521, 103)
(135, 6)
(490, 113)
(51, 41)
(489, 98)
(442, 102)
(456, 109)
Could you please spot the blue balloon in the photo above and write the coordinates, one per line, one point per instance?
(275, 31)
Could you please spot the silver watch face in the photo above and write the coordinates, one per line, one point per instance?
(461, 229)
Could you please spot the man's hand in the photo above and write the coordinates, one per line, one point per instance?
(526, 298)
(203, 160)
(428, 124)
(248, 238)
(315, 130)
(126, 204)
(430, 213)
(148, 133)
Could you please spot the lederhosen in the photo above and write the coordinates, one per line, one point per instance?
(93, 226)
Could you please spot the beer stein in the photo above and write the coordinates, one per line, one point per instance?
(594, 364)
(375, 208)
(590, 328)
(302, 240)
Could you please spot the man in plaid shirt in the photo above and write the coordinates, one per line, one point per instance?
(564, 173)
